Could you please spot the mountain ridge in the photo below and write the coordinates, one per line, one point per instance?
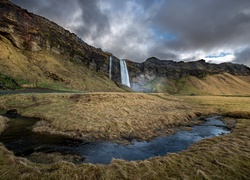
(169, 74)
(36, 52)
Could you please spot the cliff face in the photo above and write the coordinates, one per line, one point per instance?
(31, 32)
(147, 75)
(38, 51)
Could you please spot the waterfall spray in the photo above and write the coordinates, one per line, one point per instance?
(124, 73)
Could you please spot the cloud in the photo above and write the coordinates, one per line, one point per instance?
(167, 29)
(243, 56)
(205, 25)
(82, 17)
(130, 35)
(94, 22)
(58, 12)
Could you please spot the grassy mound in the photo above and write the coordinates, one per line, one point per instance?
(113, 116)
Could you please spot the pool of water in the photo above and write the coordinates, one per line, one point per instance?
(20, 139)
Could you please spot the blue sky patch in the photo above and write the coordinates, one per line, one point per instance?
(163, 35)
(221, 54)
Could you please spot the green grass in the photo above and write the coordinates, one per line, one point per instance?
(160, 84)
(54, 86)
(184, 88)
(8, 82)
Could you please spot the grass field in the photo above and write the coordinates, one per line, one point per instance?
(116, 116)
(113, 116)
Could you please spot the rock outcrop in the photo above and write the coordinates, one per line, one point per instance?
(32, 32)
(144, 76)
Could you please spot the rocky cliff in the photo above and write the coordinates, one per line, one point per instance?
(29, 31)
(32, 34)
(153, 72)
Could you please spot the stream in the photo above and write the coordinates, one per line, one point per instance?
(19, 138)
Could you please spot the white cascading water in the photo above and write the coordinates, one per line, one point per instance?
(110, 67)
(124, 73)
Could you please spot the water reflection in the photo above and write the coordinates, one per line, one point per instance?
(20, 139)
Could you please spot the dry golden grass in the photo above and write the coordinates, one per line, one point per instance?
(220, 84)
(245, 78)
(238, 107)
(119, 116)
(48, 69)
(3, 123)
(114, 116)
(224, 157)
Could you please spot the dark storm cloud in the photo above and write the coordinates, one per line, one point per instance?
(95, 23)
(243, 56)
(28, 4)
(89, 21)
(168, 29)
(205, 24)
(52, 9)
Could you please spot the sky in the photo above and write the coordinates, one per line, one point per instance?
(181, 30)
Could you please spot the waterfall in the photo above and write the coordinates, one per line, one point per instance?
(124, 73)
(110, 67)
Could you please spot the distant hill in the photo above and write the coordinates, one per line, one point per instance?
(36, 52)
(197, 77)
